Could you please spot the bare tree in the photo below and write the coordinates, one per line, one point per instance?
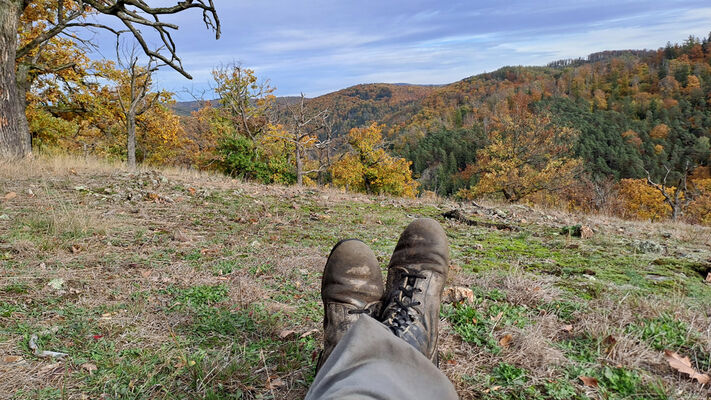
(135, 15)
(304, 126)
(677, 198)
(134, 95)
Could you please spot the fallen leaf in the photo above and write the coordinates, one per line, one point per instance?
(11, 359)
(50, 368)
(497, 316)
(308, 333)
(10, 196)
(683, 365)
(75, 249)
(274, 383)
(89, 367)
(457, 294)
(588, 381)
(145, 273)
(708, 278)
(567, 328)
(586, 232)
(286, 333)
(506, 340)
(609, 342)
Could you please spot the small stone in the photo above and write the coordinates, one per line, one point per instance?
(647, 246)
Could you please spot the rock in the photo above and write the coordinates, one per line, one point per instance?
(457, 294)
(658, 278)
(647, 246)
(666, 235)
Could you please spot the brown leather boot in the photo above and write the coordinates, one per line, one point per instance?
(352, 285)
(416, 277)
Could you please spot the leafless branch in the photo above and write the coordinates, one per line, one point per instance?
(134, 15)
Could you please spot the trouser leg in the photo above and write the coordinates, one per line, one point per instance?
(371, 362)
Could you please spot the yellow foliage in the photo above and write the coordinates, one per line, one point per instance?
(642, 201)
(526, 154)
(699, 210)
(368, 168)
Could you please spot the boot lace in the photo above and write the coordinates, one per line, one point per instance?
(401, 317)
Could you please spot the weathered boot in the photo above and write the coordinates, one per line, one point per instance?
(352, 285)
(416, 277)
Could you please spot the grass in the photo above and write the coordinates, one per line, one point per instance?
(216, 294)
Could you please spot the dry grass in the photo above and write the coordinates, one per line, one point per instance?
(189, 279)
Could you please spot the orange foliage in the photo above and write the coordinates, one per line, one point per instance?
(660, 131)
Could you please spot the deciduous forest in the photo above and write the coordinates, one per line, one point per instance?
(620, 132)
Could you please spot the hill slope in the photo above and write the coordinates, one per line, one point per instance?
(164, 284)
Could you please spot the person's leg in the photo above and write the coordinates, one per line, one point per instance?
(370, 362)
(395, 359)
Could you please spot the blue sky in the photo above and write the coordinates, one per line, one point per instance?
(318, 46)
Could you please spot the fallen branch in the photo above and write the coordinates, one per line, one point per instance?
(458, 215)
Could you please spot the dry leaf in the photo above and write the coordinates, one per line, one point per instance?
(10, 196)
(506, 340)
(457, 294)
(286, 333)
(586, 232)
(708, 278)
(75, 249)
(89, 367)
(50, 368)
(11, 359)
(497, 316)
(567, 328)
(683, 365)
(308, 333)
(145, 273)
(274, 383)
(609, 342)
(588, 381)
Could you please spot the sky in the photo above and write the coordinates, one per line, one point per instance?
(319, 46)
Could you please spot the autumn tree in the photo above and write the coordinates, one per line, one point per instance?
(526, 154)
(133, 94)
(302, 130)
(45, 20)
(244, 99)
(369, 168)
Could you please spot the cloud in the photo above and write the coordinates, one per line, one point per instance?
(322, 46)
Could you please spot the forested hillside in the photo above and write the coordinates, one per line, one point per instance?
(622, 132)
(634, 115)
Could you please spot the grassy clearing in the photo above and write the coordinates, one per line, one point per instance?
(181, 285)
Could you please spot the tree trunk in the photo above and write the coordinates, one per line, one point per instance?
(14, 131)
(299, 165)
(131, 139)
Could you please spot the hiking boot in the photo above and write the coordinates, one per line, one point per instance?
(416, 277)
(352, 286)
